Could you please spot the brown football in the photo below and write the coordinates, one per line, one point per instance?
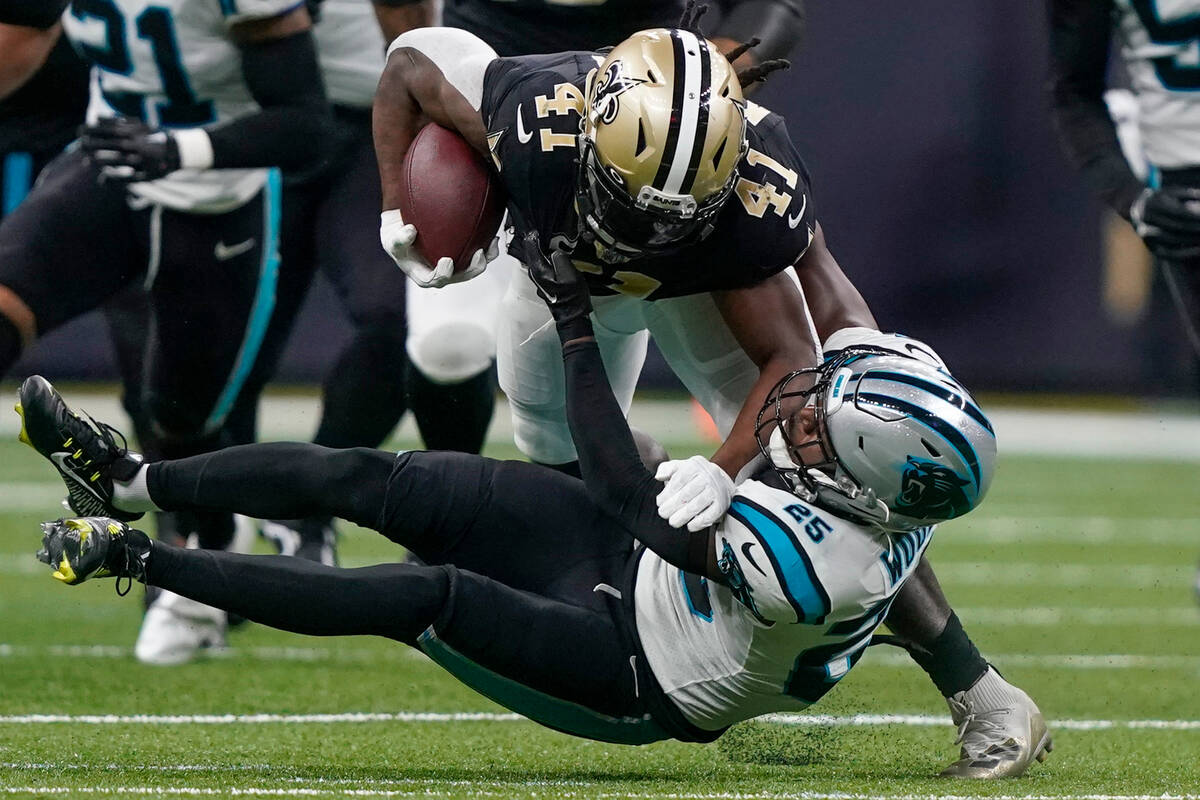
(450, 195)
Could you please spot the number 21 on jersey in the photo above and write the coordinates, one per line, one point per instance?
(155, 26)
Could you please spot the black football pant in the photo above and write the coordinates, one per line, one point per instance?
(216, 284)
(207, 299)
(520, 568)
(1182, 278)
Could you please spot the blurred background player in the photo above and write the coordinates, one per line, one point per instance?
(170, 189)
(717, 345)
(39, 113)
(1157, 47)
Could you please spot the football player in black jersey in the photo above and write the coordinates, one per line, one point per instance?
(439, 354)
(684, 206)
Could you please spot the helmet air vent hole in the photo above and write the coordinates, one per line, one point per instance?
(720, 149)
(932, 450)
(860, 444)
(650, 76)
(641, 142)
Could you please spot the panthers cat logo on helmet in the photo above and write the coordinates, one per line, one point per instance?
(663, 132)
(929, 490)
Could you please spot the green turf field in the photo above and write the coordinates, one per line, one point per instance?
(1075, 578)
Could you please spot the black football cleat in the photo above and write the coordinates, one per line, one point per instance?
(94, 547)
(85, 453)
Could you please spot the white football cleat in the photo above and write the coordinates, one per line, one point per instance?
(175, 630)
(1000, 729)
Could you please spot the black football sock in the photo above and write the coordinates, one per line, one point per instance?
(452, 416)
(10, 344)
(398, 601)
(951, 659)
(363, 394)
(277, 480)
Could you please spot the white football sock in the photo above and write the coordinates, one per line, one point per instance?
(133, 495)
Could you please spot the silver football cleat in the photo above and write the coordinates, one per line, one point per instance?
(1000, 729)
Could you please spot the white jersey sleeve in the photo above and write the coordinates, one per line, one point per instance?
(1158, 43)
(462, 57)
(235, 11)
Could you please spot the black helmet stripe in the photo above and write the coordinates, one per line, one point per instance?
(701, 121)
(681, 153)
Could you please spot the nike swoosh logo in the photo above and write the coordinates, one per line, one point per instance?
(523, 135)
(224, 252)
(794, 221)
(912, 348)
(59, 460)
(746, 552)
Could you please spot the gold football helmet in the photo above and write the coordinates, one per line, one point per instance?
(663, 131)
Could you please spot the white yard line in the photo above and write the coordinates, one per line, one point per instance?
(435, 717)
(540, 788)
(879, 656)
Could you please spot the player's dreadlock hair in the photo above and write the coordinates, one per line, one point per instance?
(690, 21)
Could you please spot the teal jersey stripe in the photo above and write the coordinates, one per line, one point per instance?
(792, 565)
(18, 178)
(229, 7)
(553, 712)
(264, 304)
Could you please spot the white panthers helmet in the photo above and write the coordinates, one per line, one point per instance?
(898, 442)
(896, 343)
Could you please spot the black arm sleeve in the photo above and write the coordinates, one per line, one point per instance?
(40, 14)
(295, 128)
(1080, 34)
(778, 23)
(612, 470)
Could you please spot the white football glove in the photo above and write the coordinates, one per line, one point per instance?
(397, 237)
(697, 493)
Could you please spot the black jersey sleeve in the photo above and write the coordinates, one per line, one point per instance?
(532, 107)
(1080, 37)
(40, 14)
(613, 472)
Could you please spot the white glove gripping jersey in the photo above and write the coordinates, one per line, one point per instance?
(1160, 43)
(807, 590)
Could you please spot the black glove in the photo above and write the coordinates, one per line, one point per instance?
(129, 150)
(1168, 220)
(562, 287)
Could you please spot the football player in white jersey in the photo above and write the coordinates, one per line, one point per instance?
(1157, 43)
(726, 310)
(572, 601)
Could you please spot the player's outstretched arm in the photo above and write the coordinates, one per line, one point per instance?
(608, 458)
(833, 301)
(772, 324)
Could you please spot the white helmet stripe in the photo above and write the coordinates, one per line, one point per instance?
(688, 72)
